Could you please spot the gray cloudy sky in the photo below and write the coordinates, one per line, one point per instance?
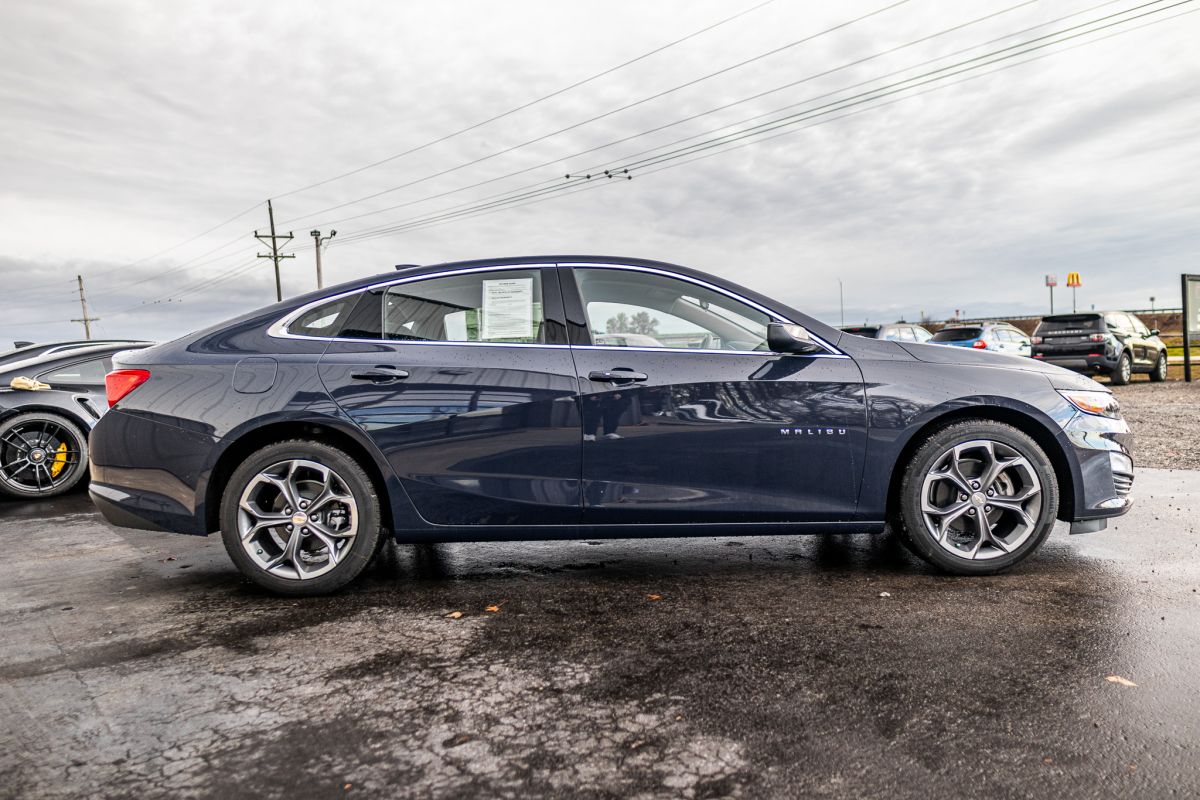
(129, 127)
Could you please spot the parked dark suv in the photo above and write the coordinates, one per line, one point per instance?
(1111, 342)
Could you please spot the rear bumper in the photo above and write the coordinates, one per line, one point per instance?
(165, 496)
(1079, 363)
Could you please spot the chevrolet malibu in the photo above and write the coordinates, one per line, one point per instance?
(562, 397)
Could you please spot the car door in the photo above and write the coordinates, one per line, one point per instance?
(1122, 327)
(465, 382)
(1145, 348)
(701, 423)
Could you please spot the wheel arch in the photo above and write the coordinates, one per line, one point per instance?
(324, 431)
(1023, 421)
(42, 408)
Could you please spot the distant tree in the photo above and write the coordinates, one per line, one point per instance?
(618, 324)
(643, 323)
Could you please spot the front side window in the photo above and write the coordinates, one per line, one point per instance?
(626, 308)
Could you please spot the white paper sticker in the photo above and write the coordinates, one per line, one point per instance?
(507, 309)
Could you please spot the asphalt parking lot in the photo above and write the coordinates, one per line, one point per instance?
(141, 664)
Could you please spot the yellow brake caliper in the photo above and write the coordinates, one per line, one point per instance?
(60, 460)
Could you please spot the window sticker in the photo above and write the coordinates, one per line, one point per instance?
(507, 309)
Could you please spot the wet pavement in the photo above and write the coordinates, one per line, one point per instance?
(140, 665)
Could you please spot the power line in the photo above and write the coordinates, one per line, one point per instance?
(726, 106)
(605, 114)
(997, 56)
(529, 104)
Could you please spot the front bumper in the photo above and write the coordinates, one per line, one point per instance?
(1102, 449)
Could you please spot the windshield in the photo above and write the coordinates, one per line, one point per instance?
(956, 334)
(1069, 322)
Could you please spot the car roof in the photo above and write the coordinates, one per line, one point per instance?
(43, 362)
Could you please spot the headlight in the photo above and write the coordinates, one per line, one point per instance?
(1100, 403)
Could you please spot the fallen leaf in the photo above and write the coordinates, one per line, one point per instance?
(346, 787)
(885, 594)
(1119, 680)
(492, 609)
(454, 614)
(654, 596)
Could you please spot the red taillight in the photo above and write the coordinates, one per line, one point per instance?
(123, 381)
(1097, 337)
(1038, 355)
(1036, 340)
(980, 344)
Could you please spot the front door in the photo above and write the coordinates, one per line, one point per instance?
(467, 386)
(689, 418)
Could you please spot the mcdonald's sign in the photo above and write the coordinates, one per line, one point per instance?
(1073, 280)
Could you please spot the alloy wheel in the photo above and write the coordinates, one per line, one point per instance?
(981, 499)
(38, 456)
(297, 519)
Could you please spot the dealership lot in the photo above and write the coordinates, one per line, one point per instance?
(141, 664)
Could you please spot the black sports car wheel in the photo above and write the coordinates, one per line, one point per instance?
(1159, 373)
(1123, 372)
(977, 497)
(41, 455)
(300, 518)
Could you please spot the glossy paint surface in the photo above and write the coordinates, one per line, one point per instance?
(494, 441)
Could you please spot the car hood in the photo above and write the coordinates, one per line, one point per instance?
(940, 354)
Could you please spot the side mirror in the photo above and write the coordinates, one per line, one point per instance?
(787, 338)
(1154, 331)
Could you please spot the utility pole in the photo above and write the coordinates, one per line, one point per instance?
(318, 240)
(85, 319)
(274, 255)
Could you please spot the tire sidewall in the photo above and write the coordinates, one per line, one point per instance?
(81, 469)
(934, 447)
(1124, 371)
(361, 551)
(1161, 367)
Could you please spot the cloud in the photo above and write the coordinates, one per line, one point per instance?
(134, 126)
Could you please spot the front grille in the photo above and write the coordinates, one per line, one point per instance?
(1123, 484)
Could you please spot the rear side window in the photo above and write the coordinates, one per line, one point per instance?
(956, 334)
(922, 334)
(869, 331)
(1086, 323)
(87, 373)
(501, 306)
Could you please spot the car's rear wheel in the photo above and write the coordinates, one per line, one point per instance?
(1123, 371)
(300, 518)
(41, 455)
(977, 497)
(1159, 373)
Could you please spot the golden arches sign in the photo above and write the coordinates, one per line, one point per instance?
(1073, 280)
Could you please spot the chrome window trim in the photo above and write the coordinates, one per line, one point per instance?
(832, 352)
(279, 328)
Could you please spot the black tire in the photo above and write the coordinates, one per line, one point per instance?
(909, 520)
(54, 430)
(1159, 373)
(357, 555)
(1123, 372)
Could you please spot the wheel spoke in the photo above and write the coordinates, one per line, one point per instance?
(277, 498)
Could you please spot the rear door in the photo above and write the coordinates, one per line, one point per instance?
(465, 382)
(701, 423)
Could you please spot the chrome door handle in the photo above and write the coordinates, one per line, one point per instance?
(381, 374)
(617, 375)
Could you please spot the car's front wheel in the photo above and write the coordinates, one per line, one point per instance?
(300, 518)
(977, 497)
(41, 455)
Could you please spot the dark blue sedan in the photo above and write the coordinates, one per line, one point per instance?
(571, 396)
